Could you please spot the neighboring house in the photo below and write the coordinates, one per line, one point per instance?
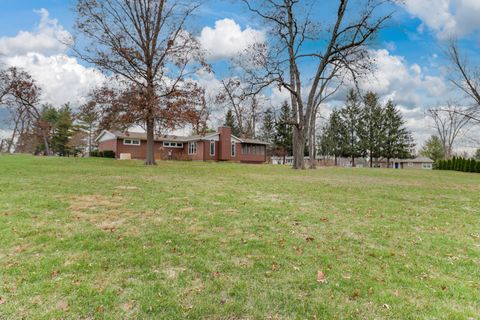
(323, 161)
(415, 163)
(217, 146)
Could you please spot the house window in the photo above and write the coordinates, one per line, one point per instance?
(192, 147)
(427, 166)
(212, 147)
(233, 150)
(168, 144)
(410, 164)
(131, 142)
(253, 149)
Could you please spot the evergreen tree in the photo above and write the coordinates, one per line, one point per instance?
(477, 155)
(64, 130)
(397, 141)
(478, 167)
(283, 131)
(332, 142)
(268, 127)
(371, 128)
(472, 165)
(231, 122)
(351, 117)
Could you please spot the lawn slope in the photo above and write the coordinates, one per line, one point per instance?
(105, 239)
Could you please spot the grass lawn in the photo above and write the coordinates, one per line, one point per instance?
(105, 239)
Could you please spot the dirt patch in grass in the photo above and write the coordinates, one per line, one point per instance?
(107, 213)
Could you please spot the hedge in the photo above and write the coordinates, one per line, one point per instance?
(103, 154)
(459, 164)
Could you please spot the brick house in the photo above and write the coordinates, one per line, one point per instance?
(216, 146)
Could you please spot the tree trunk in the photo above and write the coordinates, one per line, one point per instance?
(388, 163)
(150, 160)
(335, 161)
(371, 160)
(312, 149)
(298, 148)
(45, 142)
(353, 161)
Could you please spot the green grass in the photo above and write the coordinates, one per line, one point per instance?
(105, 239)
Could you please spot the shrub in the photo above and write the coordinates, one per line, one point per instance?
(473, 165)
(478, 166)
(108, 154)
(103, 154)
(449, 165)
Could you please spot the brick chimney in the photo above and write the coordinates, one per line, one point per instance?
(225, 143)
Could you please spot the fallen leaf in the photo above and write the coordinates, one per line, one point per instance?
(396, 293)
(386, 306)
(324, 219)
(355, 294)
(309, 239)
(2, 301)
(54, 274)
(274, 267)
(321, 277)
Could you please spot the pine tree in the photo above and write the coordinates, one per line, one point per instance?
(64, 130)
(478, 167)
(332, 142)
(397, 141)
(477, 155)
(371, 128)
(283, 131)
(231, 123)
(268, 127)
(351, 117)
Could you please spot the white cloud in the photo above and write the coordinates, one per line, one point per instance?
(42, 53)
(446, 18)
(405, 84)
(49, 37)
(61, 78)
(227, 39)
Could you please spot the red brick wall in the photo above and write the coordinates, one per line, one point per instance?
(200, 151)
(206, 151)
(225, 140)
(109, 145)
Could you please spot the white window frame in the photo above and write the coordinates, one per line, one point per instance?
(170, 144)
(233, 149)
(192, 147)
(212, 142)
(133, 142)
(427, 166)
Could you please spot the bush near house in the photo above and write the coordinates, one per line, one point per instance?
(459, 164)
(103, 154)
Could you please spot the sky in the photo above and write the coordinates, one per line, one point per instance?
(410, 66)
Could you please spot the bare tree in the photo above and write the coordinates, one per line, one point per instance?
(21, 95)
(244, 101)
(451, 123)
(145, 45)
(330, 51)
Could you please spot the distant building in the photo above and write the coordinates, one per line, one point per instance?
(414, 163)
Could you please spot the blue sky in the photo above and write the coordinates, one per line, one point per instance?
(410, 64)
